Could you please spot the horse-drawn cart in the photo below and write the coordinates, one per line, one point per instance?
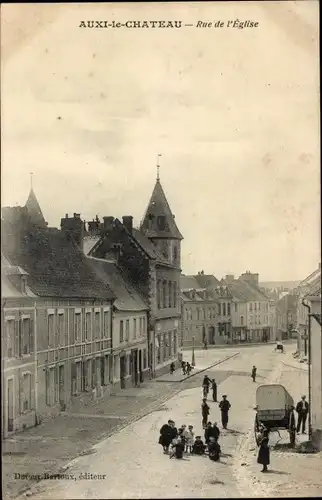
(275, 410)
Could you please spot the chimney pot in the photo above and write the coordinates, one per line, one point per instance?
(108, 223)
(128, 222)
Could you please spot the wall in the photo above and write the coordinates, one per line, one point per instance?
(239, 320)
(18, 363)
(167, 335)
(194, 325)
(316, 374)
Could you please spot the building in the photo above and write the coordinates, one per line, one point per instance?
(199, 314)
(251, 309)
(286, 316)
(18, 337)
(130, 320)
(73, 307)
(150, 257)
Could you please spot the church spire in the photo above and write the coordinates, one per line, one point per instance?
(33, 208)
(158, 167)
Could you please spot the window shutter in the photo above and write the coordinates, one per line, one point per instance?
(21, 398)
(17, 339)
(31, 336)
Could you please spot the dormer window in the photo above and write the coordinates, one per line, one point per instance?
(161, 222)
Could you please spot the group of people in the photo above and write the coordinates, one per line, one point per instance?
(176, 442)
(224, 404)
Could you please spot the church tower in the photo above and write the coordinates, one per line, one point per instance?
(34, 210)
(159, 226)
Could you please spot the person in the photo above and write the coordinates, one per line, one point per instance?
(188, 368)
(214, 390)
(224, 406)
(204, 412)
(205, 345)
(190, 439)
(184, 434)
(254, 371)
(302, 410)
(183, 367)
(172, 368)
(208, 433)
(198, 446)
(167, 433)
(177, 448)
(205, 385)
(215, 431)
(214, 449)
(263, 457)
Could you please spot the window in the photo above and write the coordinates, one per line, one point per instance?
(235, 306)
(88, 320)
(228, 309)
(121, 331)
(174, 294)
(242, 320)
(26, 335)
(134, 328)
(170, 294)
(97, 325)
(161, 222)
(50, 330)
(175, 253)
(106, 324)
(144, 359)
(78, 326)
(219, 309)
(61, 329)
(26, 392)
(224, 309)
(159, 293)
(141, 327)
(164, 294)
(10, 338)
(250, 306)
(159, 349)
(144, 327)
(127, 330)
(255, 306)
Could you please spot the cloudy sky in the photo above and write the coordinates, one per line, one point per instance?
(234, 112)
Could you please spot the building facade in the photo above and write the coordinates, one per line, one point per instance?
(199, 314)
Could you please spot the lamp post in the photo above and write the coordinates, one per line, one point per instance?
(193, 362)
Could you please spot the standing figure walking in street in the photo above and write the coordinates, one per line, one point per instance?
(183, 367)
(254, 371)
(205, 386)
(188, 368)
(263, 452)
(214, 390)
(302, 409)
(224, 406)
(204, 412)
(172, 368)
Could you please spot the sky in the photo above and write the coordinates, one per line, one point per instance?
(234, 113)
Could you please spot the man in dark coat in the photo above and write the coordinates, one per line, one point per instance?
(263, 457)
(214, 390)
(204, 412)
(302, 409)
(215, 431)
(208, 432)
(183, 367)
(198, 446)
(224, 406)
(214, 450)
(205, 385)
(167, 433)
(254, 371)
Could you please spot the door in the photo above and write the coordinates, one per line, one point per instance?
(122, 371)
(102, 371)
(140, 365)
(135, 366)
(10, 408)
(211, 335)
(61, 387)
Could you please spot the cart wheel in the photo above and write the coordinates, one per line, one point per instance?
(292, 438)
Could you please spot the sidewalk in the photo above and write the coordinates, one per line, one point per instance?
(50, 446)
(200, 367)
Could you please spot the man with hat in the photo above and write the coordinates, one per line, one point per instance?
(224, 406)
(302, 409)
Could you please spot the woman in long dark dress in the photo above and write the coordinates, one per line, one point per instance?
(167, 433)
(263, 452)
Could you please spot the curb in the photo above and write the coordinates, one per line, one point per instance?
(306, 369)
(199, 371)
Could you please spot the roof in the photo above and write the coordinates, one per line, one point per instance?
(158, 206)
(127, 297)
(56, 266)
(149, 247)
(207, 280)
(242, 290)
(34, 210)
(274, 285)
(89, 242)
(310, 285)
(188, 283)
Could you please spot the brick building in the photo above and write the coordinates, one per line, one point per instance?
(150, 258)
(73, 307)
(18, 336)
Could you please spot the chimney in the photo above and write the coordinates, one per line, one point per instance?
(251, 278)
(230, 278)
(73, 227)
(128, 222)
(108, 223)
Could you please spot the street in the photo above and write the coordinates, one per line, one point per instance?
(131, 464)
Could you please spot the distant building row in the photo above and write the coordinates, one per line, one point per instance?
(227, 311)
(86, 307)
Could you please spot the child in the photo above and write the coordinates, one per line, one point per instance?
(177, 448)
(184, 434)
(198, 446)
(190, 439)
(214, 449)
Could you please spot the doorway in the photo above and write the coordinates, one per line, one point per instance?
(122, 371)
(10, 414)
(134, 367)
(61, 387)
(211, 335)
(140, 366)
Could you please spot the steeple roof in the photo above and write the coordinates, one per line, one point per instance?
(34, 210)
(158, 221)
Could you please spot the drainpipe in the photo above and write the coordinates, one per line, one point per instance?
(309, 364)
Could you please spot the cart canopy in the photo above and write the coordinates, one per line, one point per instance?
(273, 397)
